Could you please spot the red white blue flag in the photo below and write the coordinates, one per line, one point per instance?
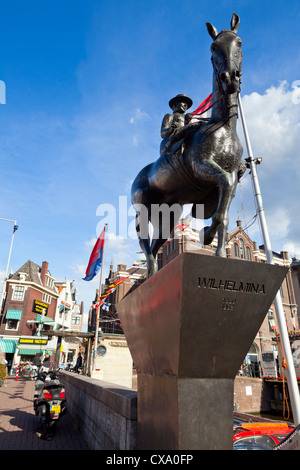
(95, 258)
(204, 106)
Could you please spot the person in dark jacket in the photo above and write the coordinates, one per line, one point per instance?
(37, 360)
(78, 363)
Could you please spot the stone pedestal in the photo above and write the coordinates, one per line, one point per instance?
(188, 329)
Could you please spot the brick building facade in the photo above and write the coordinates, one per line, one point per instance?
(31, 298)
(109, 320)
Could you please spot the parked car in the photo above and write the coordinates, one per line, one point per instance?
(260, 436)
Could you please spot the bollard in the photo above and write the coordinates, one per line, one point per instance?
(17, 373)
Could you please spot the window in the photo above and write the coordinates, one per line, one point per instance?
(49, 281)
(271, 320)
(12, 324)
(242, 251)
(236, 250)
(248, 253)
(47, 298)
(18, 293)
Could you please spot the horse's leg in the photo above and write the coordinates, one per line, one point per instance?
(220, 219)
(140, 201)
(228, 195)
(162, 230)
(142, 229)
(225, 183)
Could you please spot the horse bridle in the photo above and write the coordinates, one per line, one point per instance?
(217, 73)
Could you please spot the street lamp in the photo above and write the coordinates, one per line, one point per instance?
(8, 261)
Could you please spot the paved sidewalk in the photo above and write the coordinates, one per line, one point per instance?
(18, 423)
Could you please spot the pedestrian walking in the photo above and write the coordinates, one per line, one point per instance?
(78, 363)
(37, 361)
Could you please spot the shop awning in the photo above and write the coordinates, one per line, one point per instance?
(32, 352)
(8, 345)
(13, 314)
(46, 320)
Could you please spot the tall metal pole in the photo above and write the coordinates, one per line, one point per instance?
(8, 261)
(99, 307)
(284, 338)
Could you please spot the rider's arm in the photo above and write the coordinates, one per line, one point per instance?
(167, 127)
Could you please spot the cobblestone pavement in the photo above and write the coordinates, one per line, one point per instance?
(18, 423)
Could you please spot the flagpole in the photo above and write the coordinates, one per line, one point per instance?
(98, 305)
(291, 374)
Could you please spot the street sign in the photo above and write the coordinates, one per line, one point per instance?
(40, 307)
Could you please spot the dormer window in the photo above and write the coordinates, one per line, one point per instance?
(49, 281)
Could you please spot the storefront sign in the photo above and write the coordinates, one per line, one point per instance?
(33, 341)
(116, 344)
(40, 307)
(268, 364)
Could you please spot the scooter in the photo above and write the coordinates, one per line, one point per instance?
(49, 403)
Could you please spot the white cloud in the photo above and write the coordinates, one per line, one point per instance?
(273, 124)
(279, 223)
(273, 120)
(293, 249)
(139, 116)
(90, 243)
(79, 269)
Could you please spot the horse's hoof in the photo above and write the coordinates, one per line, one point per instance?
(152, 267)
(221, 253)
(151, 272)
(206, 236)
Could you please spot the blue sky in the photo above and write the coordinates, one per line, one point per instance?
(87, 85)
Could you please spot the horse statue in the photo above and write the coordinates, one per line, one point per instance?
(209, 165)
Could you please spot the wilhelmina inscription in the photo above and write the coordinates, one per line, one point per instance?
(231, 286)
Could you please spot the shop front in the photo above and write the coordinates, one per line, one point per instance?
(8, 347)
(29, 346)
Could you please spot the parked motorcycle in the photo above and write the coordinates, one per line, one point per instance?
(49, 402)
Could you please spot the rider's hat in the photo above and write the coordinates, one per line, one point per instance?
(180, 97)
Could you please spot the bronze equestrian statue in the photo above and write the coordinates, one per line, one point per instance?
(203, 162)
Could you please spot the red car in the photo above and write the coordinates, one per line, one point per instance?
(260, 436)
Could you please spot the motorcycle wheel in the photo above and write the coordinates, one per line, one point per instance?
(48, 430)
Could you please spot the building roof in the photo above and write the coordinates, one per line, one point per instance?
(33, 274)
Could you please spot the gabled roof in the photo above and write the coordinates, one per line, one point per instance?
(239, 231)
(32, 271)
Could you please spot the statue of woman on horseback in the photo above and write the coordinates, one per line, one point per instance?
(200, 163)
